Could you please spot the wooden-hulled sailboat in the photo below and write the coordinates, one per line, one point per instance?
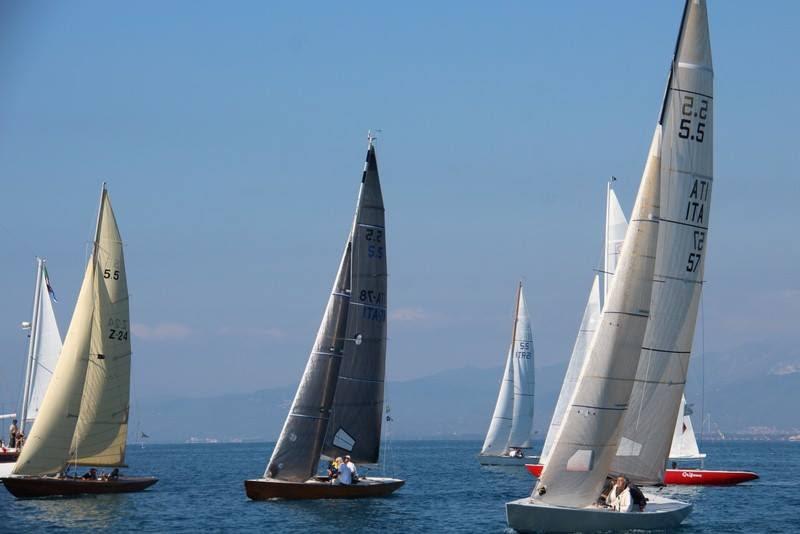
(509, 433)
(338, 407)
(83, 418)
(44, 346)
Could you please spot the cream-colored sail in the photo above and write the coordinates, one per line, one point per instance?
(47, 446)
(102, 428)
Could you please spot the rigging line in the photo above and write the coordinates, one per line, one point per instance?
(702, 366)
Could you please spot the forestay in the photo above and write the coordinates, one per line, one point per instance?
(686, 177)
(355, 423)
(589, 435)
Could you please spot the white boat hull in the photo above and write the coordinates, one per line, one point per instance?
(661, 513)
(486, 459)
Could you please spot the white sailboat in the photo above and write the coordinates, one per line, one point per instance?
(663, 233)
(83, 418)
(509, 434)
(338, 406)
(684, 443)
(44, 346)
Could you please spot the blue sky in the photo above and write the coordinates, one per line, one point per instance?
(232, 137)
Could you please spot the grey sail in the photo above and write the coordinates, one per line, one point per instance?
(355, 422)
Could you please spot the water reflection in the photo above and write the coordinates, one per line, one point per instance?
(89, 511)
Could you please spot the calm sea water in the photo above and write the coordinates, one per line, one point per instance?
(201, 489)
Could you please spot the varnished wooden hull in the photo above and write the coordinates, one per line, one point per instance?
(319, 488)
(9, 456)
(27, 487)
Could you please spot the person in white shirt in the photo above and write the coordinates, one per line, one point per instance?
(619, 498)
(345, 473)
(352, 467)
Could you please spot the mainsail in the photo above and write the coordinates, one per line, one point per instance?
(614, 235)
(357, 412)
(686, 177)
(589, 434)
(102, 429)
(339, 349)
(69, 398)
(43, 349)
(522, 363)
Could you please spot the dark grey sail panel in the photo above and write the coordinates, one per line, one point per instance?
(297, 452)
(355, 424)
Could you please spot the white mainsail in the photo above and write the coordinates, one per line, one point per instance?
(44, 347)
(684, 444)
(71, 399)
(616, 226)
(522, 357)
(589, 434)
(686, 178)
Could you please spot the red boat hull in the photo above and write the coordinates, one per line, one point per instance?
(687, 477)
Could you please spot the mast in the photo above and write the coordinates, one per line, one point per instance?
(30, 366)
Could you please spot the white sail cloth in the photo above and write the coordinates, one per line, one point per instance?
(589, 435)
(512, 420)
(686, 178)
(615, 227)
(93, 400)
(684, 444)
(45, 348)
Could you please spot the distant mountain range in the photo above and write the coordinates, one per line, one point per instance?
(748, 390)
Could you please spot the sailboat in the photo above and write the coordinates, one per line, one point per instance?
(509, 432)
(44, 346)
(83, 418)
(649, 313)
(338, 407)
(684, 446)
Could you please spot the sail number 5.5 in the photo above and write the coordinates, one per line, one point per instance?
(686, 129)
(375, 247)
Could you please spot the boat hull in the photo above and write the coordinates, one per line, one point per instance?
(28, 487)
(9, 456)
(320, 488)
(706, 477)
(686, 477)
(661, 513)
(485, 459)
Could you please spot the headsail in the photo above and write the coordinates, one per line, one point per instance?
(44, 348)
(684, 444)
(591, 318)
(500, 425)
(589, 435)
(355, 424)
(102, 430)
(686, 177)
(47, 447)
(522, 356)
